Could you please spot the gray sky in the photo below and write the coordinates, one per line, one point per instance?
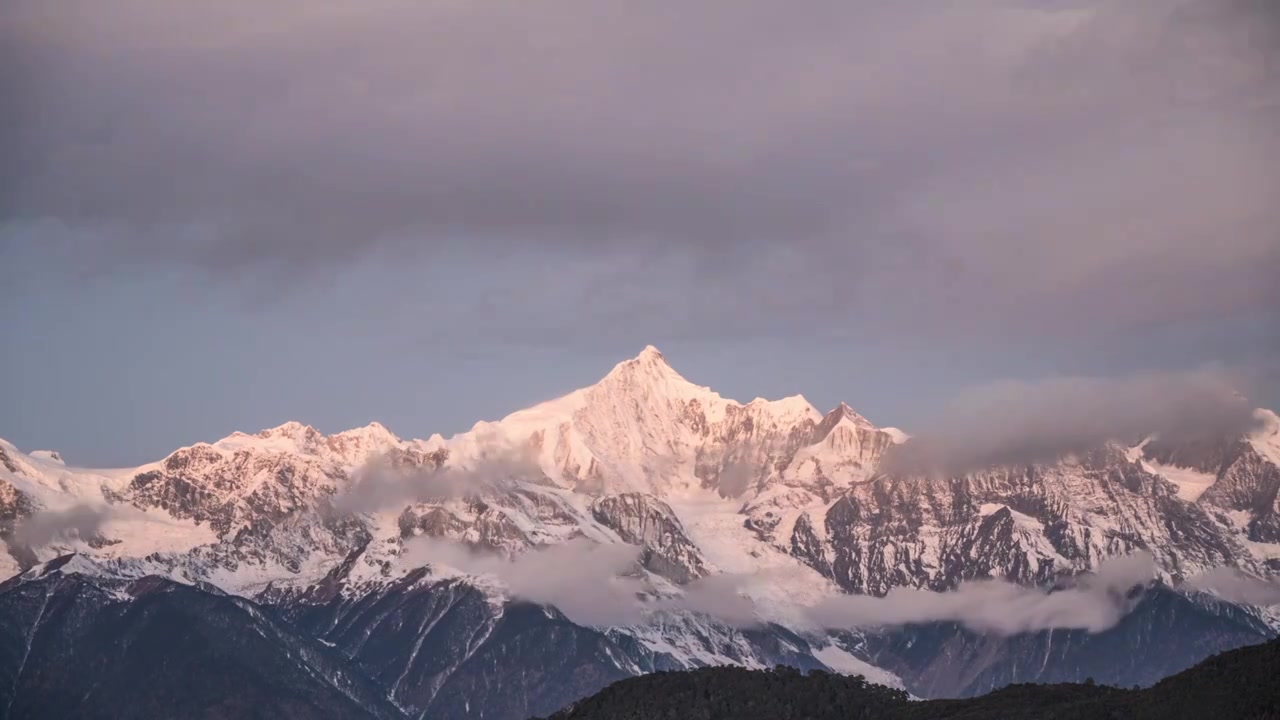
(223, 215)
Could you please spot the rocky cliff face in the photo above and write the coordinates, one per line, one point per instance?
(1031, 524)
(645, 521)
(1246, 489)
(244, 483)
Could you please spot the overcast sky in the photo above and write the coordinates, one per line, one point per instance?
(224, 215)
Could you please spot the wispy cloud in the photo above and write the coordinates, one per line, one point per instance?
(586, 581)
(78, 522)
(387, 483)
(1095, 603)
(1024, 422)
(1234, 586)
(602, 585)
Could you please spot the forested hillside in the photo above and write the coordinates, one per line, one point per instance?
(1240, 684)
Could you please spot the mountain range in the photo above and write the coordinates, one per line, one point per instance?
(362, 575)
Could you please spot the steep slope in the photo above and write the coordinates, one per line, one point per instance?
(446, 647)
(80, 643)
(1166, 633)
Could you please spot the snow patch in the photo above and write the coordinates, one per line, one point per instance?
(840, 660)
(143, 533)
(776, 582)
(1021, 520)
(1191, 483)
(76, 564)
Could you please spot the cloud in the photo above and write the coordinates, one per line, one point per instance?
(80, 521)
(600, 584)
(385, 483)
(1234, 586)
(723, 596)
(584, 580)
(1017, 422)
(1095, 603)
(1061, 170)
(745, 465)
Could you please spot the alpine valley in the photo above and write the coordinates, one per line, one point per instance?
(291, 562)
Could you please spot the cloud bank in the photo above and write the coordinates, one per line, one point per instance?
(1025, 422)
(582, 579)
(1009, 168)
(385, 484)
(601, 585)
(1096, 603)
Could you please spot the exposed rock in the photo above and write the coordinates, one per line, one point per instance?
(649, 522)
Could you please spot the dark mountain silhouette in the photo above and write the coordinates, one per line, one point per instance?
(1239, 684)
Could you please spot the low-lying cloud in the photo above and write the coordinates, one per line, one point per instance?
(1014, 422)
(586, 581)
(78, 522)
(1234, 586)
(384, 483)
(723, 596)
(601, 584)
(1095, 603)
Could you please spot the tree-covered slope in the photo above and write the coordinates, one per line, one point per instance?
(1240, 684)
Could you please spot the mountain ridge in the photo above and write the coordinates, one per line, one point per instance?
(788, 503)
(641, 428)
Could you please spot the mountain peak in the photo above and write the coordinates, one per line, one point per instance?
(651, 355)
(845, 411)
(67, 565)
(290, 436)
(650, 364)
(840, 414)
(291, 429)
(648, 375)
(374, 429)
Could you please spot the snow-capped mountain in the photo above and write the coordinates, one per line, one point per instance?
(615, 461)
(317, 527)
